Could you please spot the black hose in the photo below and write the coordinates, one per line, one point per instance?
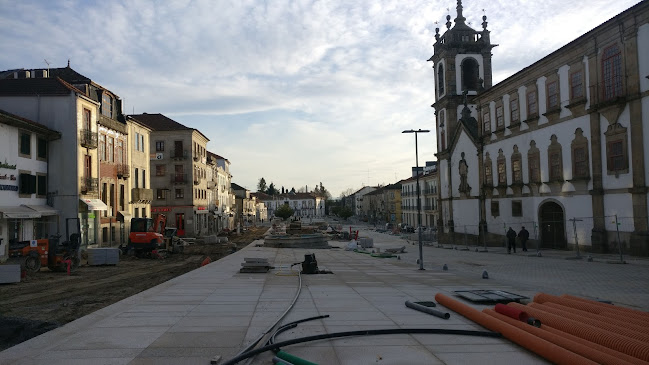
(392, 331)
(288, 326)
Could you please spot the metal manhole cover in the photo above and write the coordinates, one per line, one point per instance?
(489, 296)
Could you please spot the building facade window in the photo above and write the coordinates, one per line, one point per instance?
(440, 79)
(495, 208)
(534, 163)
(41, 148)
(513, 108)
(137, 141)
(500, 118)
(180, 193)
(470, 74)
(41, 184)
(502, 169)
(486, 123)
(579, 147)
(576, 85)
(517, 208)
(102, 147)
(488, 171)
(612, 72)
(107, 105)
(555, 165)
(25, 142)
(553, 95)
(617, 159)
(120, 151)
(532, 106)
(110, 152)
(161, 194)
(86, 119)
(517, 166)
(160, 170)
(159, 146)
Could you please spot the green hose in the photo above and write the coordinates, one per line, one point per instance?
(293, 359)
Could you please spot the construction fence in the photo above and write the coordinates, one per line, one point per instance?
(576, 233)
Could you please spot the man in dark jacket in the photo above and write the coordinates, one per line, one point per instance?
(511, 240)
(524, 235)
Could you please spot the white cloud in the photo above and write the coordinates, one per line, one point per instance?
(296, 91)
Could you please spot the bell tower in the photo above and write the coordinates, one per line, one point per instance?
(462, 64)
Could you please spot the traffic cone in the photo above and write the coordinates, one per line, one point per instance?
(206, 261)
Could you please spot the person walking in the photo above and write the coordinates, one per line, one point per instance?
(511, 240)
(524, 235)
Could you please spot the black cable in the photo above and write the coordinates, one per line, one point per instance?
(277, 345)
(288, 326)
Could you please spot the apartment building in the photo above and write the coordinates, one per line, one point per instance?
(179, 159)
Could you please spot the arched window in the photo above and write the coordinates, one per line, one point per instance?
(488, 172)
(517, 167)
(470, 74)
(534, 163)
(440, 79)
(612, 72)
(580, 161)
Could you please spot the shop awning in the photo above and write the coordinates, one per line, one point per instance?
(44, 210)
(18, 212)
(95, 204)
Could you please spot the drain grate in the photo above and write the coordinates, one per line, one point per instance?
(489, 296)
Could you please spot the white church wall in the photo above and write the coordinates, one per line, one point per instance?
(464, 144)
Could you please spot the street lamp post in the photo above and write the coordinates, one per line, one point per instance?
(421, 250)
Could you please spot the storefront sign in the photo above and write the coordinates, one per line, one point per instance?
(9, 187)
(160, 209)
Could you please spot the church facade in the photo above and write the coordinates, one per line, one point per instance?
(561, 147)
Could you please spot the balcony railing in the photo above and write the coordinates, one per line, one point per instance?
(140, 195)
(89, 185)
(179, 154)
(123, 170)
(88, 138)
(179, 178)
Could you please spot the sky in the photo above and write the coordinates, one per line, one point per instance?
(298, 92)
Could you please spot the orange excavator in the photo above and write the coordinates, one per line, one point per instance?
(147, 237)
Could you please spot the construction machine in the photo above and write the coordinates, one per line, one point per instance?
(147, 237)
(57, 255)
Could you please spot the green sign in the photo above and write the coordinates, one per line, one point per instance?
(91, 215)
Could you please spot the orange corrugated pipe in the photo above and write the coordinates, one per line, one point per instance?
(618, 327)
(615, 341)
(608, 317)
(546, 349)
(625, 357)
(588, 352)
(589, 307)
(607, 306)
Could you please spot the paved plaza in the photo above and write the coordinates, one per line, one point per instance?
(216, 310)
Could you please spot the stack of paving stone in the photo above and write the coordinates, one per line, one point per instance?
(103, 256)
(254, 264)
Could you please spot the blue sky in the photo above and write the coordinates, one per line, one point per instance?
(298, 92)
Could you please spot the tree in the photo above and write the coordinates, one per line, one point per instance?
(345, 212)
(322, 191)
(271, 189)
(261, 187)
(284, 212)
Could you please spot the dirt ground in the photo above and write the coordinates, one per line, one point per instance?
(45, 300)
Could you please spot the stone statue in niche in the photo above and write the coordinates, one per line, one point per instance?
(464, 170)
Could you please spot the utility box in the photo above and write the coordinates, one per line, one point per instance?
(103, 256)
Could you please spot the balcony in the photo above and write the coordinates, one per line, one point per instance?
(211, 185)
(179, 178)
(88, 138)
(123, 171)
(142, 196)
(89, 185)
(197, 180)
(179, 154)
